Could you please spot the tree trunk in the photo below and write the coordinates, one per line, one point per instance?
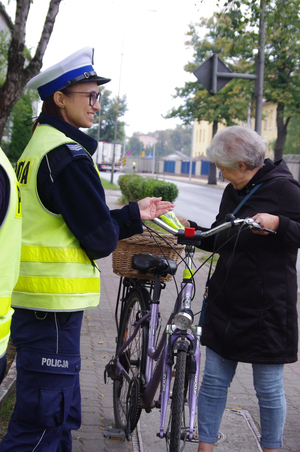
(17, 75)
(212, 176)
(282, 124)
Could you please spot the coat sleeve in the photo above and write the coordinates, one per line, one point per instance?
(4, 194)
(289, 213)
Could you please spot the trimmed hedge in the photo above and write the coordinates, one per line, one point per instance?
(135, 187)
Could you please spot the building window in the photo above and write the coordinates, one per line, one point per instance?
(203, 135)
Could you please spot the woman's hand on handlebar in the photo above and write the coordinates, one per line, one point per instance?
(153, 207)
(267, 221)
(184, 221)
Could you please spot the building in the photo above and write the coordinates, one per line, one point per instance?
(147, 140)
(202, 134)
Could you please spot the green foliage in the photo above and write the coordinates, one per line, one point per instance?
(292, 143)
(135, 187)
(108, 112)
(167, 190)
(136, 146)
(168, 141)
(4, 44)
(21, 131)
(232, 101)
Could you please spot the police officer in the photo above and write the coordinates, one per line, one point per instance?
(10, 246)
(66, 227)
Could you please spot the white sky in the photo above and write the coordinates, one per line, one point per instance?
(139, 44)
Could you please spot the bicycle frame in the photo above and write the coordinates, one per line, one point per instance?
(172, 337)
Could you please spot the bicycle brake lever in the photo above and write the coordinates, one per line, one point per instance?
(257, 226)
(267, 230)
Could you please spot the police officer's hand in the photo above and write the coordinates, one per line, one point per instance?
(153, 207)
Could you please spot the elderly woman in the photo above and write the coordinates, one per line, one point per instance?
(251, 314)
(66, 226)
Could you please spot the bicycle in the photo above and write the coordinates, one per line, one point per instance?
(176, 351)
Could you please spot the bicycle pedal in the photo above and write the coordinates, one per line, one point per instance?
(112, 371)
(114, 433)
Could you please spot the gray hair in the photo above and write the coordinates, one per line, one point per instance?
(237, 144)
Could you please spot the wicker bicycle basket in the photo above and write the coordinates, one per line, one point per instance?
(144, 243)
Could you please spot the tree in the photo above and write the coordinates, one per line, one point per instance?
(21, 117)
(168, 141)
(180, 139)
(108, 118)
(20, 66)
(135, 146)
(232, 101)
(292, 142)
(282, 54)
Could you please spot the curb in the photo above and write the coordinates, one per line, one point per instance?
(8, 384)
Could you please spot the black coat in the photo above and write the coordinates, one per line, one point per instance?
(252, 296)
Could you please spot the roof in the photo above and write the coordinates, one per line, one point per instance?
(177, 155)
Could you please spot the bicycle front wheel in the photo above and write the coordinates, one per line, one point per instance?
(177, 434)
(133, 359)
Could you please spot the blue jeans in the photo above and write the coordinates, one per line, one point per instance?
(268, 384)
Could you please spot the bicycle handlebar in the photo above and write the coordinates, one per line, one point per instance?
(193, 235)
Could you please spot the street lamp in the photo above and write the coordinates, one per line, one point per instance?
(116, 123)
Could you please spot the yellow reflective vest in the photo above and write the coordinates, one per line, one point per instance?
(10, 249)
(55, 273)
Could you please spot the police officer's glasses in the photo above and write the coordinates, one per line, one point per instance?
(94, 96)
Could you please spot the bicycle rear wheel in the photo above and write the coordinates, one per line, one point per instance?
(133, 360)
(177, 434)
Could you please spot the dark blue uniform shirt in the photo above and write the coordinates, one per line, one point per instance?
(4, 194)
(68, 184)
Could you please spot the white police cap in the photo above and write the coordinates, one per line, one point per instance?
(73, 69)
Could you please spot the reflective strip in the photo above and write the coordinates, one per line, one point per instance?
(39, 284)
(5, 303)
(55, 302)
(4, 329)
(53, 254)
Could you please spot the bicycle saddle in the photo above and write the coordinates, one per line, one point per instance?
(144, 262)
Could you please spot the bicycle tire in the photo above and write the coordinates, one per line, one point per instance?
(134, 357)
(177, 405)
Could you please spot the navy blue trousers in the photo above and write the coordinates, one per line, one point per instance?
(48, 403)
(3, 364)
